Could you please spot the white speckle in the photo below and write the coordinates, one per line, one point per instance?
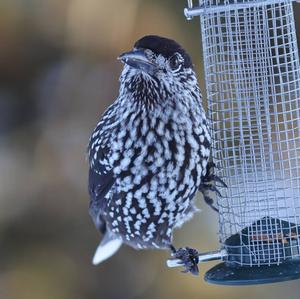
(146, 239)
(129, 153)
(162, 177)
(159, 149)
(151, 227)
(160, 128)
(115, 156)
(170, 168)
(157, 207)
(127, 180)
(145, 212)
(204, 151)
(145, 127)
(133, 210)
(117, 170)
(161, 219)
(182, 186)
(126, 221)
(138, 193)
(145, 188)
(150, 138)
(121, 134)
(95, 134)
(201, 138)
(172, 184)
(155, 245)
(137, 225)
(192, 141)
(153, 167)
(142, 203)
(115, 229)
(154, 184)
(187, 176)
(168, 135)
(159, 162)
(128, 201)
(124, 163)
(133, 132)
(152, 195)
(198, 130)
(128, 143)
(169, 231)
(137, 179)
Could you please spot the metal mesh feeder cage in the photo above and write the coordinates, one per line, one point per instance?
(253, 89)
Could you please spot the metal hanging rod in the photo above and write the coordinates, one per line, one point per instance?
(192, 11)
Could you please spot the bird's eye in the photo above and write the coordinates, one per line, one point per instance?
(175, 62)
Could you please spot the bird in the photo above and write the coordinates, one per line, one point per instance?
(150, 153)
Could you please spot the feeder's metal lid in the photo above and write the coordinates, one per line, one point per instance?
(226, 275)
(215, 6)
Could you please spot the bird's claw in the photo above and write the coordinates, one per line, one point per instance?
(189, 258)
(211, 183)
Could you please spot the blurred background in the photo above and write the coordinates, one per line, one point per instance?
(58, 72)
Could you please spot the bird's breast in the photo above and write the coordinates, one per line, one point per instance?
(158, 157)
(158, 163)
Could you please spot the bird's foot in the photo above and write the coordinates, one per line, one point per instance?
(210, 184)
(211, 177)
(189, 258)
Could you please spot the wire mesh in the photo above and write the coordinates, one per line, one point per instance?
(253, 89)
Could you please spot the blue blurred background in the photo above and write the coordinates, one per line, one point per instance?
(58, 72)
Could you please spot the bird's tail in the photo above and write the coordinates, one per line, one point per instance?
(108, 246)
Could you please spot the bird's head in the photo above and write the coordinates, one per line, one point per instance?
(157, 65)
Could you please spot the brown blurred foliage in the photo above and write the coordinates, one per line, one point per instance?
(58, 72)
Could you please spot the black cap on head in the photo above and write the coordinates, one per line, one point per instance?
(164, 46)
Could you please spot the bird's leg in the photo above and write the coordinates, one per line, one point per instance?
(189, 258)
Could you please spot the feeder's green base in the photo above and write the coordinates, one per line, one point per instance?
(226, 275)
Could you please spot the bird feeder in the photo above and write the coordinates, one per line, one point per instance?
(252, 78)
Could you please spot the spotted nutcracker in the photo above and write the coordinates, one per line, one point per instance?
(149, 153)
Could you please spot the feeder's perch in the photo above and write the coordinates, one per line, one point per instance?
(253, 89)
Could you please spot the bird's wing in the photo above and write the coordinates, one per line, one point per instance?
(101, 177)
(100, 142)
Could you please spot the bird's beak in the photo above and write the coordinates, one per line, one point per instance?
(138, 60)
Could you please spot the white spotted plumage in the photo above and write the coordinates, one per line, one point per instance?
(148, 154)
